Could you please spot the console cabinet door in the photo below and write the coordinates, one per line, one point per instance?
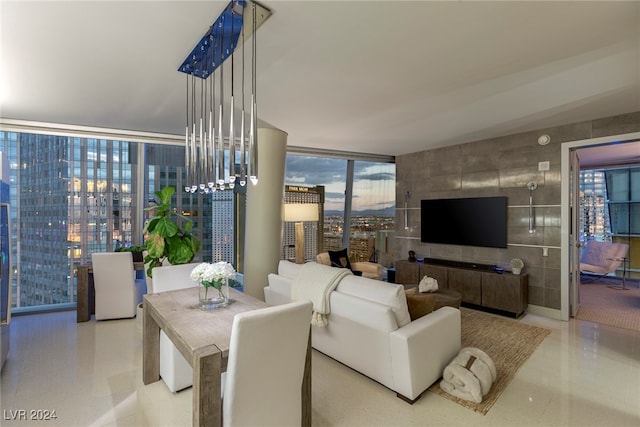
(407, 272)
(438, 272)
(468, 283)
(507, 292)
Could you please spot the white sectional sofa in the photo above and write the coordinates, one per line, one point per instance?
(369, 329)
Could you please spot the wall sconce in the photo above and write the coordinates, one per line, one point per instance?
(531, 186)
(298, 213)
(406, 210)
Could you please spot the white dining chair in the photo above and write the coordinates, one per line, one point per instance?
(175, 371)
(117, 292)
(267, 391)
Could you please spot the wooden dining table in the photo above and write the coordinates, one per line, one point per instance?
(202, 337)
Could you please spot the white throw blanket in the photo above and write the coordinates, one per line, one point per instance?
(470, 375)
(314, 283)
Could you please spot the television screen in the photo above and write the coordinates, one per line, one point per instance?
(478, 221)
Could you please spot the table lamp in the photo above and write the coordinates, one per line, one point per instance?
(299, 212)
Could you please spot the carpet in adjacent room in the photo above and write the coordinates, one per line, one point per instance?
(599, 303)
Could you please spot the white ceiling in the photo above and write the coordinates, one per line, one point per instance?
(365, 76)
(610, 155)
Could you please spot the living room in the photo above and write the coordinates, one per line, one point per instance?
(497, 152)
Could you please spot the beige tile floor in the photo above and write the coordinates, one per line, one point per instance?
(583, 374)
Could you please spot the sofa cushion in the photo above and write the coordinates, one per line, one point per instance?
(340, 259)
(385, 293)
(420, 304)
(288, 269)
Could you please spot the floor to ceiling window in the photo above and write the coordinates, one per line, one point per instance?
(72, 196)
(330, 173)
(373, 208)
(610, 209)
(213, 216)
(358, 222)
(69, 197)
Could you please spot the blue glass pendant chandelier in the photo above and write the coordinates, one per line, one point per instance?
(213, 126)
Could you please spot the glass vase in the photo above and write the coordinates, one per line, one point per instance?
(212, 297)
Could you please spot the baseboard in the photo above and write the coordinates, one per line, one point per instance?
(544, 312)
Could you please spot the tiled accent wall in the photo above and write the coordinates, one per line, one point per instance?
(499, 167)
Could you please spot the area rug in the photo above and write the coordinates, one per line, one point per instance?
(601, 304)
(508, 342)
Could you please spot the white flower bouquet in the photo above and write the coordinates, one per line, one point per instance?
(213, 275)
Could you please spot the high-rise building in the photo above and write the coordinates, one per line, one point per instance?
(594, 211)
(223, 227)
(71, 196)
(313, 230)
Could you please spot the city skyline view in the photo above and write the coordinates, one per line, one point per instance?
(373, 182)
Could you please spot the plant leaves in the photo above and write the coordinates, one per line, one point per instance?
(179, 250)
(164, 238)
(165, 194)
(165, 227)
(155, 246)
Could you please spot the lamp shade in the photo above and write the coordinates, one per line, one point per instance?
(296, 212)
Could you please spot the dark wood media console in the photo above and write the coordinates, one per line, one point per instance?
(479, 284)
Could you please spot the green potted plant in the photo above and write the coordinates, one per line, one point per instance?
(136, 251)
(164, 237)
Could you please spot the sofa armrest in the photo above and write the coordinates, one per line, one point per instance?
(273, 298)
(422, 349)
(279, 290)
(369, 269)
(280, 284)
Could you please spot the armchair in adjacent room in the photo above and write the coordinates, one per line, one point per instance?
(370, 270)
(602, 258)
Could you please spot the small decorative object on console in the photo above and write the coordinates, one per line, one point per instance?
(428, 284)
(213, 276)
(516, 265)
(412, 256)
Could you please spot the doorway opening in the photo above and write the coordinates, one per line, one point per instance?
(601, 202)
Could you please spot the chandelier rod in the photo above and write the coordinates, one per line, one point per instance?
(204, 155)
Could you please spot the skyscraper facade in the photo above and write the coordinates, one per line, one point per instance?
(72, 196)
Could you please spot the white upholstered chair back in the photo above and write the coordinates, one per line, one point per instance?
(115, 287)
(148, 279)
(173, 277)
(266, 366)
(175, 371)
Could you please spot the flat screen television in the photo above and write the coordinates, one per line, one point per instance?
(474, 221)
